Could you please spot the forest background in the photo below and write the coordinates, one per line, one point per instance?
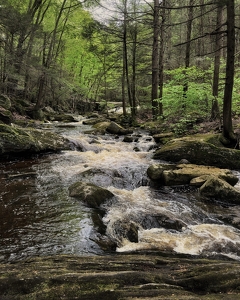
(167, 60)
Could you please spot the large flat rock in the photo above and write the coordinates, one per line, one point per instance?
(132, 276)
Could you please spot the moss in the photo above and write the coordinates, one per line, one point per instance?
(136, 276)
(197, 150)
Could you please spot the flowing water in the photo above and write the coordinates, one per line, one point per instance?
(39, 218)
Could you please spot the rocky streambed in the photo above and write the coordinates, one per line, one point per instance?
(160, 237)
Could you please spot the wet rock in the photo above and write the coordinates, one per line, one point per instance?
(115, 128)
(155, 171)
(89, 193)
(158, 221)
(163, 137)
(128, 139)
(16, 140)
(94, 121)
(100, 127)
(200, 149)
(184, 173)
(219, 189)
(126, 230)
(62, 118)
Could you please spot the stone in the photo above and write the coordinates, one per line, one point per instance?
(163, 137)
(171, 174)
(184, 173)
(89, 193)
(155, 171)
(219, 189)
(5, 116)
(122, 276)
(15, 140)
(200, 149)
(115, 128)
(128, 139)
(199, 181)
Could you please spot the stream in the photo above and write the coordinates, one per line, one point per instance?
(39, 218)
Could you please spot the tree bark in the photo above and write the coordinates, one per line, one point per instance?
(188, 45)
(161, 55)
(227, 101)
(215, 107)
(155, 60)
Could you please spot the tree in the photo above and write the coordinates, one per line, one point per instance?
(215, 113)
(155, 60)
(188, 45)
(227, 101)
(161, 54)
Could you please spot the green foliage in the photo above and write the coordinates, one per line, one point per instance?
(197, 98)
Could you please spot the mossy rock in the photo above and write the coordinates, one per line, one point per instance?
(5, 101)
(100, 127)
(16, 140)
(219, 189)
(200, 149)
(132, 276)
(5, 116)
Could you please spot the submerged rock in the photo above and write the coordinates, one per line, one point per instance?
(89, 193)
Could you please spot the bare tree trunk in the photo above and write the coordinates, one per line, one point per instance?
(134, 101)
(227, 101)
(188, 45)
(161, 55)
(215, 107)
(155, 60)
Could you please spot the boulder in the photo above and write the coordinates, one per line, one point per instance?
(171, 174)
(5, 116)
(219, 189)
(155, 171)
(163, 137)
(16, 140)
(90, 194)
(93, 121)
(115, 128)
(200, 149)
(100, 127)
(61, 117)
(184, 173)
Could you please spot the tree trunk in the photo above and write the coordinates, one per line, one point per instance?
(215, 107)
(227, 101)
(155, 60)
(188, 46)
(161, 55)
(126, 54)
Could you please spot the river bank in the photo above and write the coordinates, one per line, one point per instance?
(125, 277)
